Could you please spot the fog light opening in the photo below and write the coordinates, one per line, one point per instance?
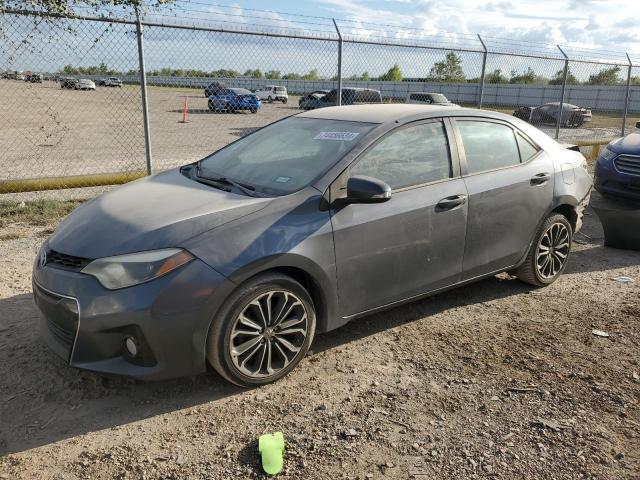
(131, 346)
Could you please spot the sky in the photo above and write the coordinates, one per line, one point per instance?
(576, 24)
(601, 24)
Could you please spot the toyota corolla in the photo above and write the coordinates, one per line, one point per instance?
(236, 261)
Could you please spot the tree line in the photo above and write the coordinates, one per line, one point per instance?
(448, 70)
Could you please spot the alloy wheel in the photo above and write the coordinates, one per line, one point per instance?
(553, 250)
(268, 334)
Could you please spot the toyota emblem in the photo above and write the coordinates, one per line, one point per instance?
(43, 258)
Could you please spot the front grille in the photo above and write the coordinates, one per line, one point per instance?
(628, 164)
(60, 313)
(66, 262)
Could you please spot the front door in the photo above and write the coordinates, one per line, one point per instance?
(414, 242)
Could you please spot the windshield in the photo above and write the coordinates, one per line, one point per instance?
(285, 156)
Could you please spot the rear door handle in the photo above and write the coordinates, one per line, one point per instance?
(540, 179)
(451, 202)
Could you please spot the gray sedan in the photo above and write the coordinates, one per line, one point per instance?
(238, 260)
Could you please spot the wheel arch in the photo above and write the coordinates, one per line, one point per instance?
(308, 274)
(569, 212)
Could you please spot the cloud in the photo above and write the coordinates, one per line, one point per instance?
(497, 6)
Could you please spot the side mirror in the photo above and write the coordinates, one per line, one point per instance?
(638, 125)
(362, 189)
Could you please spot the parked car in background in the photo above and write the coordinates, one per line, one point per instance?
(239, 259)
(67, 82)
(350, 96)
(617, 170)
(272, 93)
(85, 84)
(547, 114)
(34, 78)
(110, 82)
(213, 88)
(20, 76)
(306, 101)
(234, 99)
(430, 99)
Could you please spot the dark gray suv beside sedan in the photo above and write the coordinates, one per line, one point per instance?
(238, 260)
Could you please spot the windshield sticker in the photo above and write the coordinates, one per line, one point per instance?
(283, 179)
(342, 136)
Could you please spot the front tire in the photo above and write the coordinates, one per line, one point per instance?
(263, 330)
(548, 255)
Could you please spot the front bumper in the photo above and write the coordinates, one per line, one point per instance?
(168, 317)
(609, 181)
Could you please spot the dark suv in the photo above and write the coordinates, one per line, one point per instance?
(618, 168)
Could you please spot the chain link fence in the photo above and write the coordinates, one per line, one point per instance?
(73, 100)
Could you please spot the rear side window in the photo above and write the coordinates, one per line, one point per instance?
(488, 145)
(527, 149)
(409, 156)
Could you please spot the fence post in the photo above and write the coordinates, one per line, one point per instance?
(143, 90)
(482, 74)
(626, 97)
(564, 87)
(339, 63)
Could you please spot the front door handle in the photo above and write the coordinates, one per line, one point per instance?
(540, 179)
(451, 202)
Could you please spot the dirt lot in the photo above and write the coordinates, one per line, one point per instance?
(494, 380)
(54, 132)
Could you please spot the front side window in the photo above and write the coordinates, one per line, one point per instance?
(332, 96)
(488, 145)
(409, 156)
(285, 156)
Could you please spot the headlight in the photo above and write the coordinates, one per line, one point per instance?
(608, 155)
(127, 270)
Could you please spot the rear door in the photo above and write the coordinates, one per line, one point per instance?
(414, 242)
(509, 180)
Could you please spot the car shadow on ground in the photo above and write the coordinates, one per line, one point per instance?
(43, 400)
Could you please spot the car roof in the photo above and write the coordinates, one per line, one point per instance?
(377, 113)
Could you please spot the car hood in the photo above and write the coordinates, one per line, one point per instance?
(629, 144)
(155, 212)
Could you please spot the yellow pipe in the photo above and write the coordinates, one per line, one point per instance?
(59, 183)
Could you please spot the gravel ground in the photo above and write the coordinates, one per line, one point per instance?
(493, 380)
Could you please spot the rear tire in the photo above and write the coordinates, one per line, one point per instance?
(250, 341)
(548, 255)
(284, 101)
